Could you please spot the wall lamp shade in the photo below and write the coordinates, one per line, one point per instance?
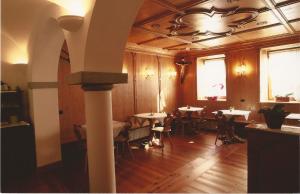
(70, 22)
(149, 73)
(241, 70)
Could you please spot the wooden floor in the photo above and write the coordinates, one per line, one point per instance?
(191, 164)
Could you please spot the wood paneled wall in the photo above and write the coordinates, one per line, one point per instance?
(137, 96)
(242, 92)
(145, 94)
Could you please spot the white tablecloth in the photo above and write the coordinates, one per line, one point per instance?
(152, 116)
(231, 113)
(190, 109)
(294, 116)
(118, 126)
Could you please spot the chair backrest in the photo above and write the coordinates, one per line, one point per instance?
(221, 120)
(168, 122)
(177, 113)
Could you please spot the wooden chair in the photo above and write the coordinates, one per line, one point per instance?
(81, 144)
(198, 119)
(123, 140)
(222, 128)
(181, 121)
(165, 129)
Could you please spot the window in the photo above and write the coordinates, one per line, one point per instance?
(280, 74)
(211, 78)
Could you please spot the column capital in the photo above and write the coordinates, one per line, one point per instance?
(97, 81)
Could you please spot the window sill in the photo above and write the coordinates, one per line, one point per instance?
(219, 100)
(276, 102)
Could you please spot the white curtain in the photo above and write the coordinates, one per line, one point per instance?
(211, 78)
(284, 73)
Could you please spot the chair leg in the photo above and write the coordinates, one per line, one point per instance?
(161, 139)
(129, 150)
(170, 139)
(217, 136)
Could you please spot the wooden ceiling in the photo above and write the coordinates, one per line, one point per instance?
(178, 25)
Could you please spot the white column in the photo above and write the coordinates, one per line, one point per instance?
(98, 110)
(44, 114)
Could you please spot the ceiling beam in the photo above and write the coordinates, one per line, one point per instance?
(169, 6)
(150, 40)
(285, 3)
(279, 15)
(187, 5)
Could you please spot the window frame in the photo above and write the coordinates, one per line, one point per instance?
(263, 63)
(212, 57)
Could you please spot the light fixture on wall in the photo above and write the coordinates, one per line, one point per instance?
(148, 73)
(182, 63)
(70, 22)
(172, 73)
(241, 69)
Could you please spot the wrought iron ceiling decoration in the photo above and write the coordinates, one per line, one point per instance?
(212, 21)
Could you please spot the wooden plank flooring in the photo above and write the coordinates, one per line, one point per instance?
(185, 167)
(191, 164)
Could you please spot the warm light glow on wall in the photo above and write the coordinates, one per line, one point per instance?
(17, 56)
(149, 73)
(73, 7)
(172, 73)
(241, 70)
(124, 69)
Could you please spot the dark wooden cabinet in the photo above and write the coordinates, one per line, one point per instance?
(11, 106)
(17, 139)
(17, 151)
(273, 160)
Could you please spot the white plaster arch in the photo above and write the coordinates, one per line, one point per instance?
(108, 32)
(97, 46)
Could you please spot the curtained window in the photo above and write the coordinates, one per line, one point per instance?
(211, 78)
(280, 74)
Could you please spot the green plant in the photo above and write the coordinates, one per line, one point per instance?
(274, 116)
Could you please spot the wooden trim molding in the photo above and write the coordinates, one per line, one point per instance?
(42, 85)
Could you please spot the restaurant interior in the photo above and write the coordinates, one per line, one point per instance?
(150, 96)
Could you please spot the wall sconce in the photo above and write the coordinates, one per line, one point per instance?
(149, 73)
(70, 22)
(241, 69)
(172, 73)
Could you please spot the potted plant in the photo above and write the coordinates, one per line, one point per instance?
(275, 116)
(285, 98)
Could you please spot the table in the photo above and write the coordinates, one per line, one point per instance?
(230, 116)
(293, 116)
(118, 126)
(190, 110)
(152, 117)
(233, 113)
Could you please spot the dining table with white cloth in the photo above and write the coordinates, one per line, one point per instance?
(152, 117)
(118, 126)
(293, 116)
(189, 110)
(232, 113)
